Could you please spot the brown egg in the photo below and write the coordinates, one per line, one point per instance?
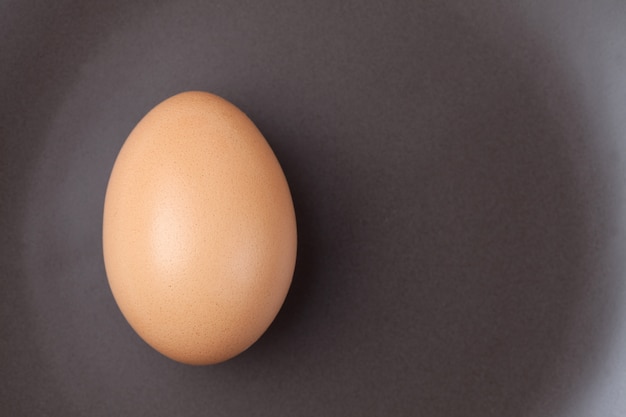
(199, 230)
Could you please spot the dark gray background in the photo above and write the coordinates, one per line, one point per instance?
(457, 169)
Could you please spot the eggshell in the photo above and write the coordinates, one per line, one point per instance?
(199, 230)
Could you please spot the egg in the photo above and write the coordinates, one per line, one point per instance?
(199, 230)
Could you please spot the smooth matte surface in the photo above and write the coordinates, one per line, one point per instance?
(199, 230)
(457, 169)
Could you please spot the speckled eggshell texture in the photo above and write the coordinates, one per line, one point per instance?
(199, 230)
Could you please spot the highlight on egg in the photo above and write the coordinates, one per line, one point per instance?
(199, 230)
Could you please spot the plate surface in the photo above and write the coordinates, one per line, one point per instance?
(457, 170)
